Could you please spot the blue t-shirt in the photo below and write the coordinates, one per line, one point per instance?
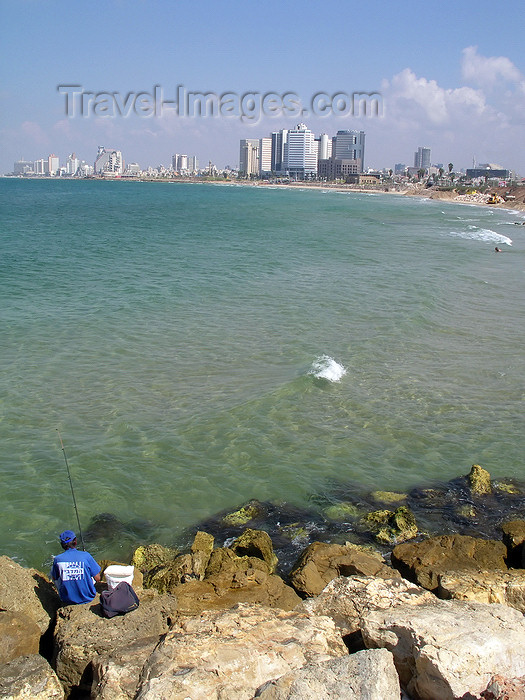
(73, 571)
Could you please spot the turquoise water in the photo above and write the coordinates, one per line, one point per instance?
(171, 333)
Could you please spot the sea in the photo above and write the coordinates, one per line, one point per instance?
(195, 346)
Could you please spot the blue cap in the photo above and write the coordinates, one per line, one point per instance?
(67, 537)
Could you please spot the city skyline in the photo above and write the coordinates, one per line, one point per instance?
(457, 86)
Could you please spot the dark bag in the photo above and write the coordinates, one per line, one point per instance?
(119, 601)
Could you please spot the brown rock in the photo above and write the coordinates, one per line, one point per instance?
(514, 540)
(505, 587)
(256, 543)
(166, 577)
(321, 562)
(201, 550)
(424, 562)
(29, 677)
(27, 591)
(82, 634)
(229, 654)
(20, 636)
(116, 675)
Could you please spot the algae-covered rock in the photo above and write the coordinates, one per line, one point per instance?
(256, 543)
(342, 511)
(391, 527)
(388, 496)
(149, 556)
(479, 480)
(467, 511)
(166, 577)
(294, 532)
(242, 516)
(507, 487)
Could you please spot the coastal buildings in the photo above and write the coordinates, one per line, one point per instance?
(184, 164)
(278, 142)
(265, 156)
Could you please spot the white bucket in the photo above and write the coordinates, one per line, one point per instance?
(116, 573)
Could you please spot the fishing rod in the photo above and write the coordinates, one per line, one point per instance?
(72, 490)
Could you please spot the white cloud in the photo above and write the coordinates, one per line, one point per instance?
(489, 71)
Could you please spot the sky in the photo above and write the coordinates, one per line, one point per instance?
(447, 75)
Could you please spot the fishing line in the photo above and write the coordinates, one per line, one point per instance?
(72, 490)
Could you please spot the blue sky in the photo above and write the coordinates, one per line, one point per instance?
(451, 75)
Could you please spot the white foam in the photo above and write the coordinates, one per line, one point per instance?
(482, 234)
(325, 367)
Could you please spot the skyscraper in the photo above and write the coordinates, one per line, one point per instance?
(349, 145)
(422, 158)
(249, 157)
(278, 142)
(300, 152)
(265, 155)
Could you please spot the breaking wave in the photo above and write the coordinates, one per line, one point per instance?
(325, 367)
(482, 234)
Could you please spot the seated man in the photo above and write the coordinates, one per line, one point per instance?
(73, 572)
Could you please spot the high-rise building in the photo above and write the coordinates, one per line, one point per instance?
(40, 166)
(422, 158)
(23, 167)
(249, 157)
(349, 145)
(72, 164)
(278, 143)
(300, 152)
(324, 147)
(108, 162)
(265, 155)
(52, 164)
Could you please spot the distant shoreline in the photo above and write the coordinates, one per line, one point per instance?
(451, 196)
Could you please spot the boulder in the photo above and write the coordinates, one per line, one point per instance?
(449, 649)
(201, 550)
(424, 562)
(369, 674)
(391, 527)
(27, 591)
(116, 675)
(256, 543)
(82, 634)
(388, 496)
(514, 540)
(257, 587)
(29, 677)
(149, 556)
(479, 480)
(229, 654)
(505, 587)
(321, 562)
(500, 688)
(346, 599)
(20, 636)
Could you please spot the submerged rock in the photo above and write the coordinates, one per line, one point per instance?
(391, 527)
(243, 515)
(388, 496)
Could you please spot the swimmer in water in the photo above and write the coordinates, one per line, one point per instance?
(497, 250)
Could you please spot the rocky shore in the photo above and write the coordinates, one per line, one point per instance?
(403, 613)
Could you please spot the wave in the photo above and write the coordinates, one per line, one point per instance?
(486, 235)
(325, 367)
